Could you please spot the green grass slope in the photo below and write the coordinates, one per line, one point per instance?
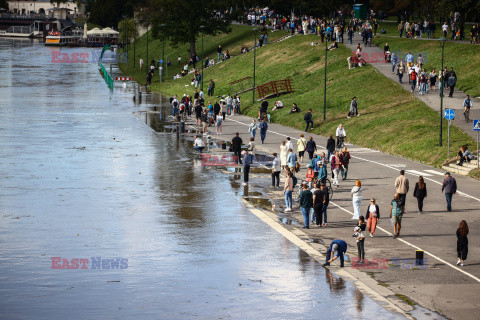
(391, 120)
(240, 35)
(464, 58)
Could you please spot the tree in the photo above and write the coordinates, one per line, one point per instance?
(183, 19)
(3, 4)
(107, 13)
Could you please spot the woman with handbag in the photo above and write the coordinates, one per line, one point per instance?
(420, 193)
(372, 216)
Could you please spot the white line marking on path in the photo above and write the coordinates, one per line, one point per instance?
(423, 174)
(415, 247)
(388, 233)
(435, 172)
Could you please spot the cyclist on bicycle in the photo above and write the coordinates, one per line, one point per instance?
(340, 133)
(467, 104)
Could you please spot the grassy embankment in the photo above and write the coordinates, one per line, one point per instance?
(240, 35)
(391, 120)
(464, 58)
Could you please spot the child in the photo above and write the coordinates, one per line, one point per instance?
(309, 176)
(360, 238)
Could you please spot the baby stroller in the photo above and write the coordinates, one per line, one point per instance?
(388, 56)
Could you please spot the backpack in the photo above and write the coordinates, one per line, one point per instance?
(295, 180)
(345, 158)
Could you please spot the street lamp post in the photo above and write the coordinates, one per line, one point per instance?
(134, 40)
(443, 39)
(148, 62)
(202, 28)
(254, 57)
(325, 80)
(163, 25)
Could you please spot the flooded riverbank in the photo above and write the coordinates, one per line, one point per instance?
(84, 179)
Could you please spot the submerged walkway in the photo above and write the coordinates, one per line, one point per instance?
(432, 99)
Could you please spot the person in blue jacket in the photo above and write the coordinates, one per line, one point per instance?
(337, 249)
(263, 129)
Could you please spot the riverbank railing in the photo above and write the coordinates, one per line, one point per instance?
(108, 78)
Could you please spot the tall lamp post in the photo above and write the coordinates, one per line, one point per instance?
(163, 25)
(442, 40)
(325, 80)
(148, 62)
(134, 40)
(202, 28)
(254, 57)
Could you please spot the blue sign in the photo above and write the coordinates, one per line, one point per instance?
(476, 125)
(449, 114)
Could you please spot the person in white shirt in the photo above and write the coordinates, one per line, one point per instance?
(199, 145)
(276, 168)
(340, 134)
(289, 144)
(445, 29)
(357, 199)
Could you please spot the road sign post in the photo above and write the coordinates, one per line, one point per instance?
(476, 127)
(449, 115)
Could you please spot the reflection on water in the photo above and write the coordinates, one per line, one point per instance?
(87, 179)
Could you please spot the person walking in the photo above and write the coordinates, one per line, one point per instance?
(402, 187)
(219, 123)
(247, 162)
(251, 146)
(237, 148)
(360, 238)
(335, 164)
(420, 192)
(345, 156)
(353, 108)
(253, 128)
(308, 119)
(449, 186)
(301, 146)
(330, 147)
(287, 191)
(311, 148)
(283, 154)
(292, 160)
(306, 204)
(263, 129)
(289, 143)
(372, 216)
(462, 243)
(396, 213)
(276, 168)
(326, 200)
(336, 250)
(318, 201)
(400, 71)
(451, 82)
(356, 199)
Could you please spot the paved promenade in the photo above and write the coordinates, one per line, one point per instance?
(443, 287)
(432, 99)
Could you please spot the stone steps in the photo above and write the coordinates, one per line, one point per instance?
(462, 170)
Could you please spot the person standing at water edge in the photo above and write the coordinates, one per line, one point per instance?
(199, 145)
(287, 190)
(336, 249)
(462, 243)
(402, 186)
(450, 187)
(276, 169)
(357, 199)
(237, 148)
(306, 204)
(247, 162)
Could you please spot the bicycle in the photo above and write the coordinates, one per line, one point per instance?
(328, 186)
(466, 113)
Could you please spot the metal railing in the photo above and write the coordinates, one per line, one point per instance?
(21, 29)
(23, 16)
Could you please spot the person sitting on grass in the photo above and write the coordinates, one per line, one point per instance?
(295, 109)
(333, 46)
(278, 105)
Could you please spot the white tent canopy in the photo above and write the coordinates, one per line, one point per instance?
(103, 32)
